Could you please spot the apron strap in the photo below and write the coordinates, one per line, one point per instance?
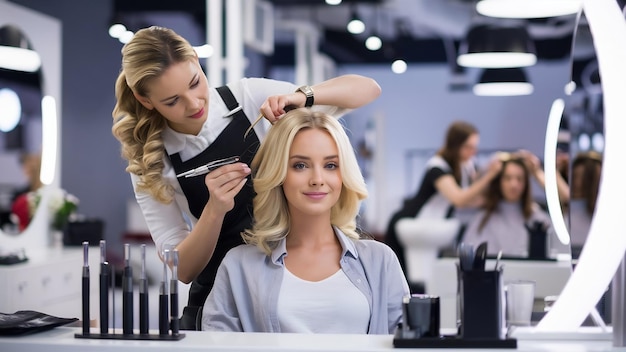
(228, 97)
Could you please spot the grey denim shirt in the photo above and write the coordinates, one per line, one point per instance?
(245, 295)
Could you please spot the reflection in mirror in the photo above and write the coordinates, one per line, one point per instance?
(579, 152)
(586, 170)
(585, 119)
(605, 245)
(20, 134)
(585, 122)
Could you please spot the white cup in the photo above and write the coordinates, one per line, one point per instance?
(520, 298)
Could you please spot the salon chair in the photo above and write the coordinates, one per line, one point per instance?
(423, 238)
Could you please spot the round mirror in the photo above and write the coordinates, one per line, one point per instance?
(21, 94)
(585, 121)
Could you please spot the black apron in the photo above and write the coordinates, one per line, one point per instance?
(229, 143)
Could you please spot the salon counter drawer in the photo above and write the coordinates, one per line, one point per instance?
(49, 282)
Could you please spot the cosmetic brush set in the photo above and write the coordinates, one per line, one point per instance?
(168, 299)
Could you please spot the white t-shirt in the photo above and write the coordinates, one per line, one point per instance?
(333, 305)
(170, 223)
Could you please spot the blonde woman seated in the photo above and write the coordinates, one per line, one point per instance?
(509, 213)
(304, 268)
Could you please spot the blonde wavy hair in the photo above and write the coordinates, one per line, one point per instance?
(269, 167)
(145, 57)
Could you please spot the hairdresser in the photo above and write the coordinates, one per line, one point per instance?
(169, 121)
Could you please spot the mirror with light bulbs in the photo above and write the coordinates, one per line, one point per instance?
(29, 144)
(20, 133)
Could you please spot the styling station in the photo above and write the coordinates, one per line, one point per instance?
(70, 280)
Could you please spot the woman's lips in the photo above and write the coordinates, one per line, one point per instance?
(198, 114)
(315, 195)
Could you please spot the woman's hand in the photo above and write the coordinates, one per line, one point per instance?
(494, 167)
(533, 164)
(274, 107)
(224, 183)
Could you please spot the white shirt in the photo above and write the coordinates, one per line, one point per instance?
(333, 305)
(167, 222)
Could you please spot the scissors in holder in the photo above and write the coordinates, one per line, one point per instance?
(205, 169)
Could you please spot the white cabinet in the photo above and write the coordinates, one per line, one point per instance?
(49, 282)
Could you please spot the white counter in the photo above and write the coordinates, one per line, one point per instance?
(550, 278)
(50, 282)
(62, 339)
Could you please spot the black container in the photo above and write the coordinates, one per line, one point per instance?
(537, 241)
(421, 315)
(481, 301)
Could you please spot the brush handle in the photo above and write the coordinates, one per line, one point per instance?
(174, 321)
(163, 315)
(127, 301)
(104, 298)
(85, 292)
(143, 312)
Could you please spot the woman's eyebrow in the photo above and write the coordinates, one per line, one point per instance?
(193, 79)
(330, 157)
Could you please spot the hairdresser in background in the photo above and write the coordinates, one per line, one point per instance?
(449, 183)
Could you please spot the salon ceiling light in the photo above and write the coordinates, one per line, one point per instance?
(528, 8)
(494, 46)
(503, 82)
(116, 30)
(373, 42)
(399, 66)
(355, 25)
(15, 51)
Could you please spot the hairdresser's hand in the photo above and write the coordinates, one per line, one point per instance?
(494, 167)
(531, 160)
(277, 105)
(224, 183)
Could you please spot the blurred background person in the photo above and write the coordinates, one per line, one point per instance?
(20, 205)
(585, 184)
(509, 212)
(449, 183)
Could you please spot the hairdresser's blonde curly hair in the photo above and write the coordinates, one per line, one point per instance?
(149, 53)
(271, 213)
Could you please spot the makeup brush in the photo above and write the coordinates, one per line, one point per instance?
(127, 294)
(143, 295)
(85, 291)
(174, 322)
(163, 309)
(104, 290)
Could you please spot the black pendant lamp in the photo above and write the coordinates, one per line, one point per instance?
(503, 82)
(497, 46)
(15, 51)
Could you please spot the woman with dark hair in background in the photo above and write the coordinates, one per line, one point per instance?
(449, 182)
(509, 212)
